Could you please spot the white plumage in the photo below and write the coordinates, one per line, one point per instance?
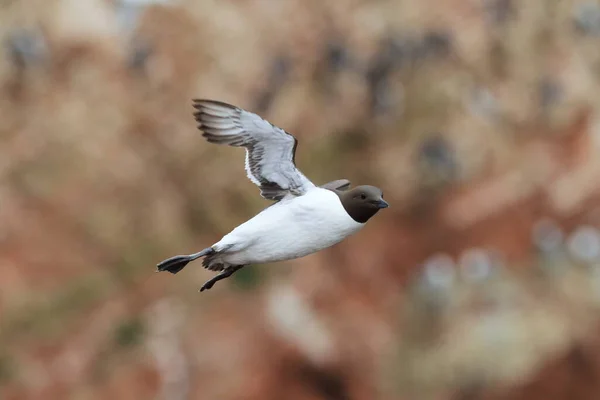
(292, 228)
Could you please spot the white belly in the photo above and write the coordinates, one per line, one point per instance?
(290, 229)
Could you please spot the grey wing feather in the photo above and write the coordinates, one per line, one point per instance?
(340, 184)
(270, 151)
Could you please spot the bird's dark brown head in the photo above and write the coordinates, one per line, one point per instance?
(362, 202)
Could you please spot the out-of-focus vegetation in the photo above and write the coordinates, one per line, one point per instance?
(478, 118)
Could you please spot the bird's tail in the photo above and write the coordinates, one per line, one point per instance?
(177, 263)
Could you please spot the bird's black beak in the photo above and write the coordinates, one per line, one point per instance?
(381, 203)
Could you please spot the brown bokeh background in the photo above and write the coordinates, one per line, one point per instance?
(480, 119)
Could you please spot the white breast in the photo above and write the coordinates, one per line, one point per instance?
(290, 229)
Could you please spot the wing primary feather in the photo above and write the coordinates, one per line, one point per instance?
(270, 151)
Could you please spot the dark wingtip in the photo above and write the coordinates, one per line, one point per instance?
(173, 264)
(340, 184)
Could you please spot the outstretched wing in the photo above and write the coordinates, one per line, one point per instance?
(270, 151)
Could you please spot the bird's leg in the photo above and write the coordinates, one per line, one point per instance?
(177, 263)
(226, 273)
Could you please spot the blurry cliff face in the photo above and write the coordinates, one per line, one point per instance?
(479, 119)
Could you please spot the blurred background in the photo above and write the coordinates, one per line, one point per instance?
(480, 119)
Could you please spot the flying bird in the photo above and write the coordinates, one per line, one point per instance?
(304, 219)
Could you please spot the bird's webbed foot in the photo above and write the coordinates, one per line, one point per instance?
(226, 273)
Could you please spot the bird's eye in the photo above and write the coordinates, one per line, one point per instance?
(363, 196)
